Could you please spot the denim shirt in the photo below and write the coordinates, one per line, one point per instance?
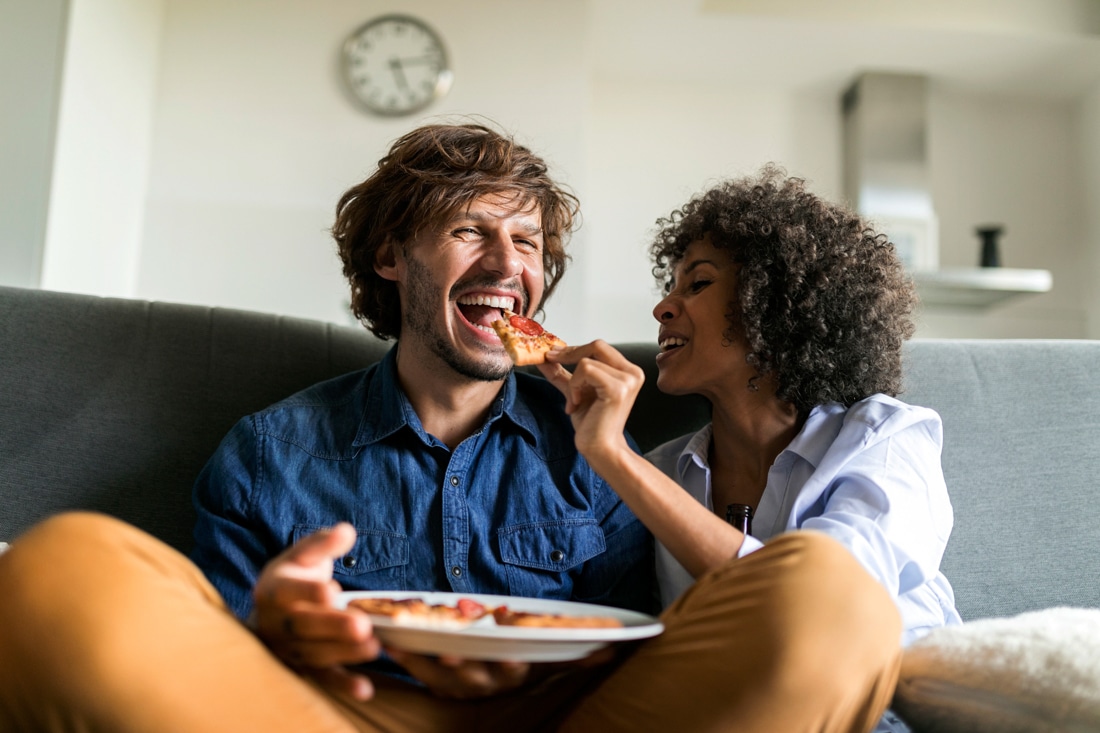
(513, 510)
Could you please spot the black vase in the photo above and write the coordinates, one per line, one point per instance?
(991, 248)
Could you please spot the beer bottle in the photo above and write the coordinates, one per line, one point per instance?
(740, 516)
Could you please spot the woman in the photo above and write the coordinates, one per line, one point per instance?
(788, 314)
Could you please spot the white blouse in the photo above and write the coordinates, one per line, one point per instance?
(870, 477)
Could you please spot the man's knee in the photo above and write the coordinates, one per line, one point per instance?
(72, 559)
(71, 526)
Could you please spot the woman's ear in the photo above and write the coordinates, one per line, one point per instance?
(385, 260)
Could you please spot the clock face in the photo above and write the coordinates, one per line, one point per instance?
(396, 65)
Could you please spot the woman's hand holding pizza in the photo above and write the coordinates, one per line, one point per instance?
(599, 395)
(296, 616)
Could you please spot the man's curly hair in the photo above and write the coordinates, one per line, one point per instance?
(428, 176)
(824, 302)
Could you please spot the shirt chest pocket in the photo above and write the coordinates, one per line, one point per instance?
(538, 556)
(377, 561)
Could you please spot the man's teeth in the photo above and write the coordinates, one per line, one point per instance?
(493, 301)
(504, 303)
(672, 342)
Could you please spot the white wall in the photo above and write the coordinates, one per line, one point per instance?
(654, 145)
(94, 230)
(1010, 161)
(32, 43)
(256, 139)
(1088, 139)
(249, 140)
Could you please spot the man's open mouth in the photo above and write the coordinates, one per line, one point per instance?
(482, 310)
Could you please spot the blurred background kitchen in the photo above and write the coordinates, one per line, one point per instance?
(194, 150)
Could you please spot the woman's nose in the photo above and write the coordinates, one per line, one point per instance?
(663, 311)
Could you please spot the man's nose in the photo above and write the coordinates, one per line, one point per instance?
(501, 256)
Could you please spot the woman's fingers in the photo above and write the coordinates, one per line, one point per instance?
(556, 375)
(596, 379)
(599, 350)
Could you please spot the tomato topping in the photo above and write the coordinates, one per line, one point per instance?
(529, 327)
(469, 608)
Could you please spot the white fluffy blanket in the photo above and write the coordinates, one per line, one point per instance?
(1038, 671)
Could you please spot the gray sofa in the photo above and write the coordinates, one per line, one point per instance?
(114, 405)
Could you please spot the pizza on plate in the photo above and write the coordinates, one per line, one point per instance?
(505, 616)
(525, 340)
(416, 612)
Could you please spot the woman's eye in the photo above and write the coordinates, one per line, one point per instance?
(699, 285)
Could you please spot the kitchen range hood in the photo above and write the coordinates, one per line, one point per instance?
(886, 178)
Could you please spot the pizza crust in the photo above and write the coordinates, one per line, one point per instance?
(506, 617)
(522, 347)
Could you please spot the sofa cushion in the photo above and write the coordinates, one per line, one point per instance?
(1038, 671)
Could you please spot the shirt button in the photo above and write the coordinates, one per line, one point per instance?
(349, 561)
(454, 480)
(557, 555)
(456, 571)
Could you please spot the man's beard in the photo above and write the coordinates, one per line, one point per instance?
(423, 293)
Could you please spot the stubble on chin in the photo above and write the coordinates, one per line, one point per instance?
(421, 319)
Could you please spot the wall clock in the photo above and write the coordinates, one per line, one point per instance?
(395, 65)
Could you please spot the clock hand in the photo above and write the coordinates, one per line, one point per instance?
(419, 60)
(399, 73)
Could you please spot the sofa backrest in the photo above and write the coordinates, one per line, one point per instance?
(114, 405)
(1022, 461)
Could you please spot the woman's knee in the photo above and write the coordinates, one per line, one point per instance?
(830, 606)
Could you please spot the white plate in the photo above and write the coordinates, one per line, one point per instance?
(484, 640)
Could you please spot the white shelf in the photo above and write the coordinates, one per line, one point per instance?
(978, 287)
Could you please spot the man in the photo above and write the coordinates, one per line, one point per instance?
(437, 469)
(454, 472)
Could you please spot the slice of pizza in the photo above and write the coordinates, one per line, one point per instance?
(525, 340)
(417, 612)
(505, 616)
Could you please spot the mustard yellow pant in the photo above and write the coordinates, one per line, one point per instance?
(104, 628)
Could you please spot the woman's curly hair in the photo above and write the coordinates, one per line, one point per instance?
(428, 176)
(824, 302)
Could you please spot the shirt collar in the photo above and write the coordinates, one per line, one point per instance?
(818, 433)
(388, 409)
(811, 443)
(696, 451)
